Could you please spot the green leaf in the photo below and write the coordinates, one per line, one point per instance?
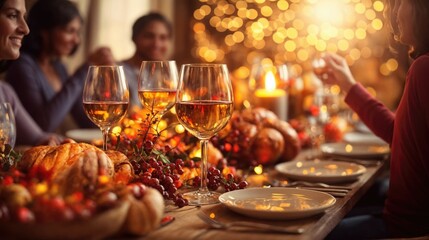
(161, 156)
(164, 158)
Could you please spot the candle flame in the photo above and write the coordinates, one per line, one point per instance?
(270, 81)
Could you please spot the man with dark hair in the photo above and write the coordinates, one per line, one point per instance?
(152, 35)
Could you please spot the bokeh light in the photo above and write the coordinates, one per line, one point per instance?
(292, 31)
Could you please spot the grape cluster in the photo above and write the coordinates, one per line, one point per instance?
(236, 145)
(215, 179)
(164, 177)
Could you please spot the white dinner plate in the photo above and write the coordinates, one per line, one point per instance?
(363, 138)
(361, 127)
(277, 203)
(355, 150)
(85, 135)
(321, 171)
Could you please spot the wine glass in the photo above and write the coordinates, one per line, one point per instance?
(325, 105)
(158, 85)
(204, 104)
(319, 67)
(7, 125)
(105, 97)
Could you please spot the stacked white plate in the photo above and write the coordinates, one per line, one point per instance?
(367, 151)
(363, 138)
(321, 171)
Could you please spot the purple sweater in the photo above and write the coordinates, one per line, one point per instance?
(47, 107)
(27, 131)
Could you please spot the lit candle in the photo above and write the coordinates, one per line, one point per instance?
(271, 98)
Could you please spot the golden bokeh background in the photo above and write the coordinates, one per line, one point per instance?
(244, 32)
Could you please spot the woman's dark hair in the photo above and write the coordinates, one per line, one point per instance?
(2, 3)
(46, 15)
(420, 27)
(141, 23)
(420, 22)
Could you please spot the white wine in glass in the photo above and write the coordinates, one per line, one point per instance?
(158, 85)
(204, 105)
(7, 125)
(105, 97)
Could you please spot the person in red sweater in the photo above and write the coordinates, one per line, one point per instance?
(406, 210)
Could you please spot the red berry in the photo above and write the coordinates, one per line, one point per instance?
(172, 166)
(216, 172)
(236, 148)
(24, 215)
(167, 148)
(57, 203)
(175, 177)
(228, 147)
(148, 145)
(179, 162)
(7, 180)
(80, 211)
(90, 205)
(190, 164)
(180, 170)
(68, 214)
(180, 202)
(243, 184)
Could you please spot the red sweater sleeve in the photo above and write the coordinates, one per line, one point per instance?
(372, 112)
(420, 79)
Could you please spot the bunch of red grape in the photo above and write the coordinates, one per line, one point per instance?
(165, 177)
(215, 179)
(236, 145)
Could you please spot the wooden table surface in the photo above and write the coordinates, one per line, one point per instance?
(187, 225)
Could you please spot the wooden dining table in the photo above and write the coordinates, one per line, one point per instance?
(187, 224)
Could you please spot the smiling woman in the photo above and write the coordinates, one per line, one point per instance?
(51, 95)
(12, 28)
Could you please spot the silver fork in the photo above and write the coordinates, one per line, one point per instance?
(251, 225)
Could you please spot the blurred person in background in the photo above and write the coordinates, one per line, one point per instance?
(152, 36)
(49, 93)
(13, 28)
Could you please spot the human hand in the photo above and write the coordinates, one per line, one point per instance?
(338, 72)
(101, 56)
(51, 140)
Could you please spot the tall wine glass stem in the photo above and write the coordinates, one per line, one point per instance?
(204, 155)
(105, 131)
(315, 138)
